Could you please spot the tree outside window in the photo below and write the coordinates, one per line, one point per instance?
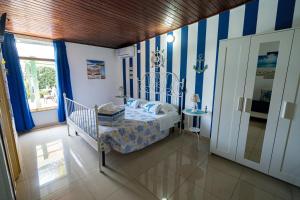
(38, 74)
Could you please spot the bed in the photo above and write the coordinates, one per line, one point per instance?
(138, 129)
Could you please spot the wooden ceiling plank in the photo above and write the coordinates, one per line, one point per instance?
(74, 23)
(69, 20)
(137, 8)
(190, 11)
(110, 23)
(190, 4)
(61, 10)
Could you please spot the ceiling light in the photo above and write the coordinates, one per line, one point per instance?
(170, 38)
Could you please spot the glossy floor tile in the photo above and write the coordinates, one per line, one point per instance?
(189, 191)
(58, 166)
(246, 191)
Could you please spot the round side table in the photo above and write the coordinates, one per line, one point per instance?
(197, 113)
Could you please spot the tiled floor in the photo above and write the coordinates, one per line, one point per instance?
(56, 166)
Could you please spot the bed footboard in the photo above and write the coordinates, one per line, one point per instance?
(84, 121)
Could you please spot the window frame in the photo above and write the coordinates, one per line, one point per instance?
(43, 109)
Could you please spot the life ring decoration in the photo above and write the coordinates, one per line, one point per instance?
(158, 58)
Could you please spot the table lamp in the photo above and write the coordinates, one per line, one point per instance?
(195, 100)
(121, 91)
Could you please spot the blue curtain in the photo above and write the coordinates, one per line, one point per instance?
(62, 76)
(18, 99)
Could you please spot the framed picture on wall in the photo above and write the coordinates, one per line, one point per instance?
(95, 69)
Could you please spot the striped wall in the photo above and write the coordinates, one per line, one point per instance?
(203, 38)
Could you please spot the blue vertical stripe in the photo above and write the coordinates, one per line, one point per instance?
(183, 59)
(201, 51)
(157, 70)
(147, 70)
(138, 65)
(169, 67)
(183, 64)
(222, 34)
(285, 14)
(124, 77)
(131, 78)
(250, 20)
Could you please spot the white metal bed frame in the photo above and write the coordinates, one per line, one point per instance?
(169, 86)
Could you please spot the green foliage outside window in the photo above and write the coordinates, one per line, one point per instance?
(46, 77)
(39, 78)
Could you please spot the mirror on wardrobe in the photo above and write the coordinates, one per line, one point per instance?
(265, 72)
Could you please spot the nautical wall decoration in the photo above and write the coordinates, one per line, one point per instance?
(158, 58)
(200, 67)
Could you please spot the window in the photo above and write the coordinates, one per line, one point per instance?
(38, 67)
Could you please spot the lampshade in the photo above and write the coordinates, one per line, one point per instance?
(121, 91)
(195, 98)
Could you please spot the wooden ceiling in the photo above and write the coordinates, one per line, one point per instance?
(108, 23)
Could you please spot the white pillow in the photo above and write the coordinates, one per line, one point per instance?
(152, 107)
(166, 107)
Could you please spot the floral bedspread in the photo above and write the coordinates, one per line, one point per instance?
(133, 132)
(136, 131)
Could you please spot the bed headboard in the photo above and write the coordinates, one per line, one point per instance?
(162, 86)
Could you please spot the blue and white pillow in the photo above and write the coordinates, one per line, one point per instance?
(132, 103)
(135, 103)
(152, 107)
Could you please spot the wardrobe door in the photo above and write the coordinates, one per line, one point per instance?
(231, 75)
(266, 74)
(285, 162)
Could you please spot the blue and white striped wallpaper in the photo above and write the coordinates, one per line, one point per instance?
(203, 37)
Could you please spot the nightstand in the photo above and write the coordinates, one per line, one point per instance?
(190, 114)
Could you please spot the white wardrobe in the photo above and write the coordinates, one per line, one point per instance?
(256, 120)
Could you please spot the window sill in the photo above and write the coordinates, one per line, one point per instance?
(43, 109)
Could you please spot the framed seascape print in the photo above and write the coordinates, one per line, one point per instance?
(266, 65)
(95, 69)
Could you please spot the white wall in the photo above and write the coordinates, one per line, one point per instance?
(86, 91)
(44, 118)
(90, 92)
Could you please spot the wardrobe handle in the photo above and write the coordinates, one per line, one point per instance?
(248, 105)
(240, 104)
(287, 111)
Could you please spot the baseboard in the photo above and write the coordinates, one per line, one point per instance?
(44, 126)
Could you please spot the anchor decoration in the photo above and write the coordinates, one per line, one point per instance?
(158, 58)
(200, 67)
